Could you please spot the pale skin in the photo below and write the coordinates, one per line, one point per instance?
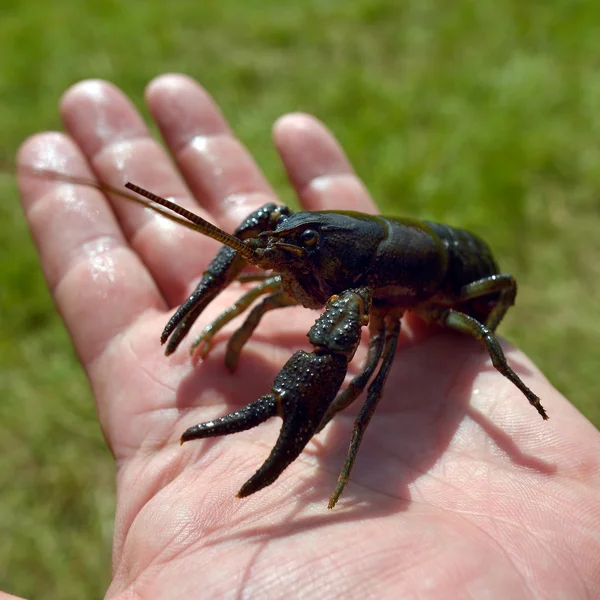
(460, 489)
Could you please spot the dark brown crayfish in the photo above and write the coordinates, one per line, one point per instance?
(364, 270)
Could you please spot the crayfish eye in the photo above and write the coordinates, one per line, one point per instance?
(280, 219)
(309, 238)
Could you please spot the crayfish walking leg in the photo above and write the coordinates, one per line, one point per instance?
(363, 419)
(454, 318)
(358, 384)
(303, 390)
(466, 324)
(243, 333)
(201, 346)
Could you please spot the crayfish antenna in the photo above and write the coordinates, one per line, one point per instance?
(168, 209)
(199, 224)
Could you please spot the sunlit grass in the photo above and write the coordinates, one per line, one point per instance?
(477, 113)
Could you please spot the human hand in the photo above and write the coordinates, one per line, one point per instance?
(459, 490)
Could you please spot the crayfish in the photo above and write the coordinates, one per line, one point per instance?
(365, 270)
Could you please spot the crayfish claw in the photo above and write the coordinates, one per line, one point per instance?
(224, 268)
(246, 418)
(302, 391)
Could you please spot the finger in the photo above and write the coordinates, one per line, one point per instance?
(317, 166)
(116, 142)
(99, 285)
(218, 169)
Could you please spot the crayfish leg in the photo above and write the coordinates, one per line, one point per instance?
(303, 388)
(464, 323)
(506, 287)
(310, 381)
(358, 384)
(392, 331)
(240, 336)
(254, 276)
(201, 345)
(222, 270)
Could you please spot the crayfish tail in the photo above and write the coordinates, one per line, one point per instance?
(250, 416)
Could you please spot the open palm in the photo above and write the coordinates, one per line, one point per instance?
(460, 489)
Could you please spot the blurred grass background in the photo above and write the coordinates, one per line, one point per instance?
(479, 113)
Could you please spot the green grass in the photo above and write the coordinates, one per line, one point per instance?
(480, 113)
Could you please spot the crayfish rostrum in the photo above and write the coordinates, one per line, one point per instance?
(365, 270)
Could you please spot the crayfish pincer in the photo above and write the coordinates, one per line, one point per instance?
(365, 270)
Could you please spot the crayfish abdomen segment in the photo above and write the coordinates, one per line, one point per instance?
(469, 257)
